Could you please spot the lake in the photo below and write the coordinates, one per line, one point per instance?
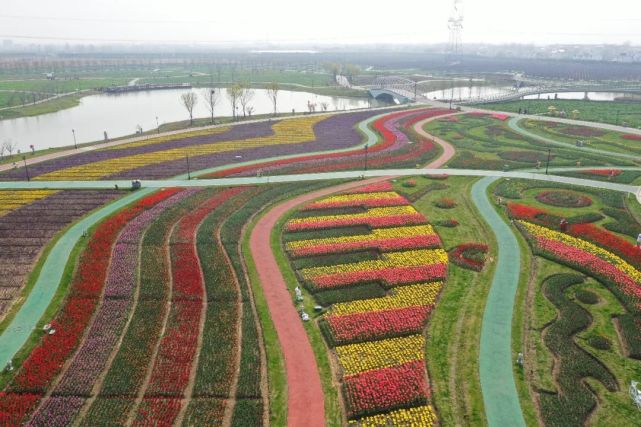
(121, 114)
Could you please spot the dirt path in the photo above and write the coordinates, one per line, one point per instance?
(305, 398)
(448, 149)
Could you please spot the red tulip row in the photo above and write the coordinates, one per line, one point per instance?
(372, 222)
(378, 324)
(632, 137)
(368, 203)
(179, 345)
(386, 389)
(460, 255)
(603, 237)
(384, 245)
(602, 172)
(587, 261)
(391, 276)
(48, 357)
(519, 211)
(157, 412)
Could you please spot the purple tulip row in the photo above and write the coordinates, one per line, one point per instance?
(335, 132)
(393, 125)
(25, 231)
(57, 411)
(111, 317)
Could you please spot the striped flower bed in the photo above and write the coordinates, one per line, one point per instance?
(383, 239)
(378, 342)
(587, 257)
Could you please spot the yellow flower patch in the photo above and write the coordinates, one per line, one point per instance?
(168, 138)
(401, 297)
(377, 233)
(390, 260)
(356, 358)
(420, 416)
(14, 199)
(292, 131)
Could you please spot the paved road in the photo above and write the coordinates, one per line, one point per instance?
(502, 406)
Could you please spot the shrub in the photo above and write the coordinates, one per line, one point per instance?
(449, 223)
(564, 199)
(445, 203)
(599, 342)
(469, 255)
(410, 183)
(586, 297)
(574, 402)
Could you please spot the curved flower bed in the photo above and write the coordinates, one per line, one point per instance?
(373, 217)
(368, 200)
(602, 172)
(47, 359)
(445, 203)
(26, 230)
(383, 239)
(564, 199)
(632, 137)
(378, 341)
(622, 278)
(469, 255)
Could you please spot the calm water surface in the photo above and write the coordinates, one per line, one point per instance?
(120, 115)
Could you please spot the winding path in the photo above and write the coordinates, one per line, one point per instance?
(502, 407)
(305, 395)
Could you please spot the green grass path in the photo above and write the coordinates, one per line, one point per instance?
(500, 397)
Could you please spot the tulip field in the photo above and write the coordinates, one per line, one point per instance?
(190, 305)
(378, 342)
(590, 273)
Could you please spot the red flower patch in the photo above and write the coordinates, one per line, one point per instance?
(378, 324)
(385, 389)
(390, 276)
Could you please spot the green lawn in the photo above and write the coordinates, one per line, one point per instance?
(621, 113)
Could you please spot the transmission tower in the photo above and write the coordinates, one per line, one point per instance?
(455, 25)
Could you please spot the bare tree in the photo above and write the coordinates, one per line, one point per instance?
(324, 105)
(189, 101)
(233, 93)
(211, 99)
(352, 71)
(246, 95)
(9, 145)
(272, 91)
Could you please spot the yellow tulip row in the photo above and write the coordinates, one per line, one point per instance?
(14, 199)
(285, 132)
(377, 233)
(357, 197)
(400, 297)
(168, 138)
(608, 256)
(390, 260)
(370, 213)
(420, 416)
(367, 356)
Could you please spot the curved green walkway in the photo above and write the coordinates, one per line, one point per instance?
(502, 407)
(514, 125)
(33, 308)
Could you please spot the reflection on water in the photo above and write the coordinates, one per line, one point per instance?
(592, 96)
(466, 93)
(120, 115)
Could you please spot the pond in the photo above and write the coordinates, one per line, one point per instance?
(121, 114)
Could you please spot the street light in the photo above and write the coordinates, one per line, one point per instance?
(157, 125)
(366, 151)
(547, 165)
(26, 169)
(188, 172)
(75, 144)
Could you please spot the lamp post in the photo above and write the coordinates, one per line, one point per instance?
(366, 151)
(75, 144)
(188, 172)
(547, 164)
(26, 168)
(157, 125)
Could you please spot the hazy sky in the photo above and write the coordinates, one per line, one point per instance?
(346, 21)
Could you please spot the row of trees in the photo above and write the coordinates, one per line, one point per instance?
(240, 96)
